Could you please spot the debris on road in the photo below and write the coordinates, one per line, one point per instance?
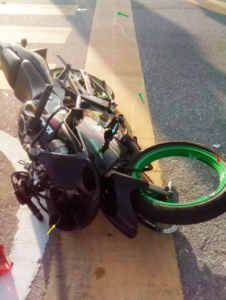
(5, 265)
(216, 146)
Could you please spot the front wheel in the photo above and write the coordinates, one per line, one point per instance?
(178, 159)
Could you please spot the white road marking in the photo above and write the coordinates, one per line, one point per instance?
(79, 9)
(48, 35)
(30, 240)
(36, 9)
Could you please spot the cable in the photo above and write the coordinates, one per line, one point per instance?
(39, 202)
(131, 169)
(142, 173)
(46, 198)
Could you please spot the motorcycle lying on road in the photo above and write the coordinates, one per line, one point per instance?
(81, 157)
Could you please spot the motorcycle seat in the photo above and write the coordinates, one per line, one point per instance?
(26, 72)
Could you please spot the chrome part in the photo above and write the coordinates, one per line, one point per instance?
(72, 83)
(158, 190)
(159, 227)
(171, 229)
(78, 101)
(170, 187)
(120, 132)
(87, 82)
(27, 165)
(36, 178)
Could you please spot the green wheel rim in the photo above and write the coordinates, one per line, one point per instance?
(56, 74)
(184, 151)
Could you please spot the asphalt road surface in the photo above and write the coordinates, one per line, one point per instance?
(183, 55)
(182, 49)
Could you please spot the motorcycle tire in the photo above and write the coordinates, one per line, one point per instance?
(202, 209)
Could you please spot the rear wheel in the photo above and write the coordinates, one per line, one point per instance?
(171, 210)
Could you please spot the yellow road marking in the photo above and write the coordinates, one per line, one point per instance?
(34, 9)
(115, 267)
(217, 6)
(3, 82)
(46, 35)
(52, 66)
(113, 55)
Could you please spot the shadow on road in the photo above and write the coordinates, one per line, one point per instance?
(220, 18)
(184, 69)
(185, 83)
(198, 282)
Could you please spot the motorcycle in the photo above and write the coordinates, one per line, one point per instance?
(82, 159)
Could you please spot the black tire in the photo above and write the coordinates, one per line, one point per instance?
(185, 215)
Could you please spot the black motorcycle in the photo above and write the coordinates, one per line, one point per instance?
(82, 158)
